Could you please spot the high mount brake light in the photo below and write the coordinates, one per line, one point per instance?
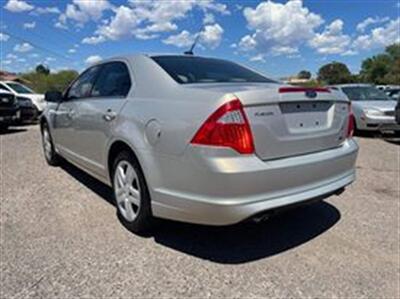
(303, 89)
(228, 126)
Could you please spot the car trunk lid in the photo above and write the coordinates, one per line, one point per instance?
(290, 121)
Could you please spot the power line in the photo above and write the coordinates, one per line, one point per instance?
(37, 46)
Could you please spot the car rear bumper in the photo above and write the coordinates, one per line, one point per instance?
(225, 191)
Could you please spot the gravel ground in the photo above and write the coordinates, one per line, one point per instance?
(60, 238)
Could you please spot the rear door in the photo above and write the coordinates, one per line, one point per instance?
(292, 121)
(95, 116)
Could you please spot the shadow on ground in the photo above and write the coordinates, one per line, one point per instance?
(393, 138)
(240, 243)
(11, 131)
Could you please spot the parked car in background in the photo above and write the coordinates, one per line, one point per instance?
(372, 108)
(9, 110)
(20, 90)
(397, 112)
(200, 140)
(27, 110)
(394, 93)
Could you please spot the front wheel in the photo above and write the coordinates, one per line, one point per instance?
(48, 148)
(131, 194)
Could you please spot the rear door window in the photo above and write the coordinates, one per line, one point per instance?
(113, 81)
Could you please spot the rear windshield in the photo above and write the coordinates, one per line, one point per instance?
(365, 93)
(189, 69)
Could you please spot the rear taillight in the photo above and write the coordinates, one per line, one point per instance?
(227, 127)
(350, 123)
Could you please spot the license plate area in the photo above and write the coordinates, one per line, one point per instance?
(307, 116)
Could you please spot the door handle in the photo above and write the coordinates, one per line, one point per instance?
(109, 115)
(71, 113)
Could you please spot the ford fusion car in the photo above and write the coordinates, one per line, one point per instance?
(372, 108)
(200, 140)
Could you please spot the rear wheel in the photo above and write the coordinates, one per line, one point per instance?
(48, 148)
(131, 194)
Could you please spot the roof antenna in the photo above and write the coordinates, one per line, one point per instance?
(190, 52)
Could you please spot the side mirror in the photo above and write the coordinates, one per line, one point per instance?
(53, 96)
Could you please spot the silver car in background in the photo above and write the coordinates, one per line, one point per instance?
(373, 109)
(200, 140)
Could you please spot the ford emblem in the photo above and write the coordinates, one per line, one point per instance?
(311, 94)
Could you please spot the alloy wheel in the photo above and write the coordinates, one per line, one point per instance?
(127, 190)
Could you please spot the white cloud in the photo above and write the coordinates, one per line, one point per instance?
(379, 37)
(247, 43)
(279, 27)
(284, 50)
(147, 19)
(60, 25)
(181, 40)
(332, 40)
(209, 18)
(257, 58)
(72, 51)
(82, 11)
(22, 48)
(31, 25)
(4, 37)
(46, 10)
(210, 36)
(93, 40)
(18, 6)
(11, 56)
(370, 21)
(93, 59)
(6, 62)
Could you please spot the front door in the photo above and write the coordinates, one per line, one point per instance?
(65, 115)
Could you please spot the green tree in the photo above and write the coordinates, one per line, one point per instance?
(382, 68)
(41, 82)
(334, 73)
(41, 69)
(304, 75)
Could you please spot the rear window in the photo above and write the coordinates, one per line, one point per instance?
(189, 69)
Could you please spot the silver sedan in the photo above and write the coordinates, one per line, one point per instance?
(372, 108)
(200, 140)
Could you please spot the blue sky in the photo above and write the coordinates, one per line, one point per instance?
(278, 38)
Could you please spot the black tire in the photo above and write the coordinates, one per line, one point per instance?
(144, 219)
(52, 158)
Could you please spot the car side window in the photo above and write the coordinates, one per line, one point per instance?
(113, 81)
(82, 87)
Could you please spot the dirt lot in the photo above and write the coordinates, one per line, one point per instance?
(60, 238)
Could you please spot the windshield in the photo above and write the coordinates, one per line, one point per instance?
(190, 69)
(365, 93)
(19, 88)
